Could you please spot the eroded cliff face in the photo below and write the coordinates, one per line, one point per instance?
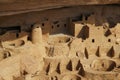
(59, 40)
(10, 7)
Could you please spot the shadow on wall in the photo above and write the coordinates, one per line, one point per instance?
(113, 21)
(84, 33)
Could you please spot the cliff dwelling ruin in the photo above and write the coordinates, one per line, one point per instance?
(60, 40)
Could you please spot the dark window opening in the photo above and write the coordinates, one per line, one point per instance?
(46, 19)
(103, 65)
(52, 78)
(86, 16)
(31, 25)
(17, 35)
(58, 25)
(28, 38)
(43, 24)
(52, 27)
(12, 44)
(93, 40)
(109, 40)
(65, 25)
